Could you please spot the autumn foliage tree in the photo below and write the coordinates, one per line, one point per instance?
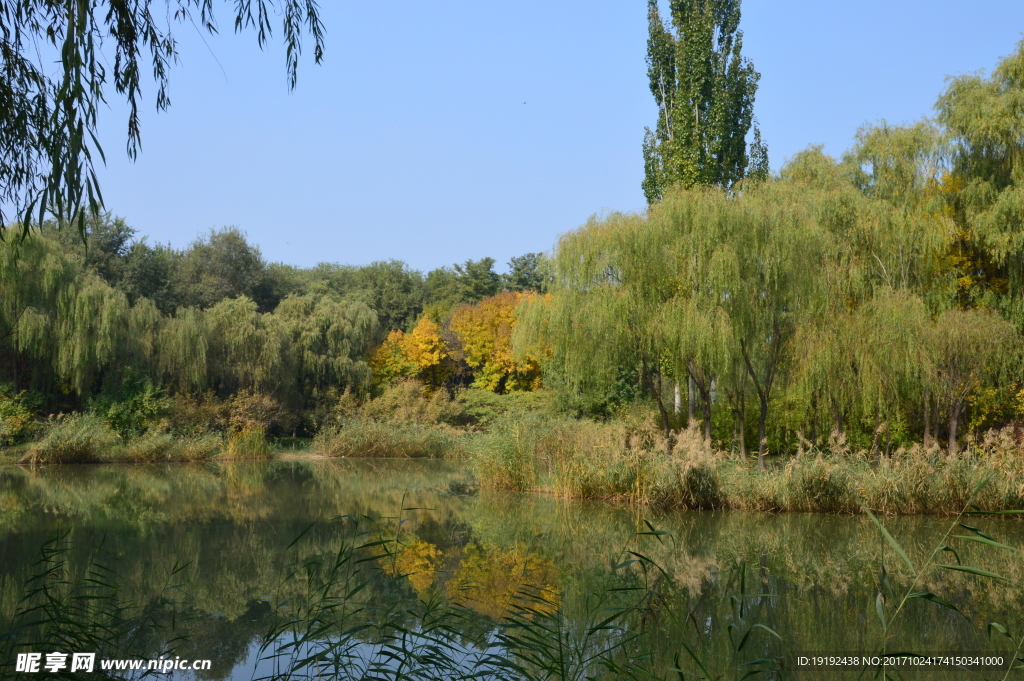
(485, 333)
(421, 354)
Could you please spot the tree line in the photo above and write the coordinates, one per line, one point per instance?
(83, 319)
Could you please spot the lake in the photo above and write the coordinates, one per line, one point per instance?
(227, 553)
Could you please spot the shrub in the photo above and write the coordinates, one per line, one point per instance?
(201, 447)
(482, 408)
(250, 411)
(162, 446)
(16, 412)
(192, 415)
(153, 446)
(409, 401)
(131, 408)
(80, 438)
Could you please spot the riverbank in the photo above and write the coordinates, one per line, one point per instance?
(622, 460)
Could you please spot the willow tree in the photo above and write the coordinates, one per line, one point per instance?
(601, 325)
(33, 278)
(182, 350)
(695, 327)
(892, 360)
(329, 338)
(246, 349)
(697, 343)
(704, 89)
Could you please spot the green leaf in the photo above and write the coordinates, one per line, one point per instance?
(880, 609)
(929, 596)
(987, 542)
(976, 531)
(892, 542)
(1000, 628)
(1012, 512)
(953, 551)
(973, 571)
(768, 629)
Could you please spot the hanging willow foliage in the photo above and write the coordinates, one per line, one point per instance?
(65, 331)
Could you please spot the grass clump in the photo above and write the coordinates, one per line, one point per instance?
(156, 446)
(362, 437)
(79, 438)
(248, 444)
(88, 438)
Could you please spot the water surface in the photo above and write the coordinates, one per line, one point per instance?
(813, 579)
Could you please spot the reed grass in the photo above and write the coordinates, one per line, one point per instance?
(79, 438)
(86, 438)
(630, 461)
(367, 438)
(248, 444)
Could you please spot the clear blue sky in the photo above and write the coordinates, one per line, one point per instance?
(437, 132)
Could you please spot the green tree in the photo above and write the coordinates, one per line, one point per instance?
(222, 265)
(470, 282)
(704, 89)
(970, 349)
(393, 290)
(49, 117)
(525, 273)
(329, 338)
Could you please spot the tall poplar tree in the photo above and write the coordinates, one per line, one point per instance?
(705, 91)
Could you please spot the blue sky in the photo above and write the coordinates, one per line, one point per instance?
(437, 132)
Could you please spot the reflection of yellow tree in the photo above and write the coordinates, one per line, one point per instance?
(418, 560)
(490, 579)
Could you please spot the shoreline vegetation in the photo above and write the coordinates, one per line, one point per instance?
(521, 443)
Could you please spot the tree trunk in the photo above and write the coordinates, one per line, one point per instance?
(762, 437)
(874, 439)
(689, 402)
(837, 418)
(656, 391)
(954, 421)
(927, 422)
(706, 408)
(677, 400)
(743, 436)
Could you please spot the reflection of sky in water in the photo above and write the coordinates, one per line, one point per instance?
(233, 525)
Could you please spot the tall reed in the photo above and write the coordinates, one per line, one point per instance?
(619, 460)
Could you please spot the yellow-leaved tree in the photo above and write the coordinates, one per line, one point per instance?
(485, 332)
(421, 353)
